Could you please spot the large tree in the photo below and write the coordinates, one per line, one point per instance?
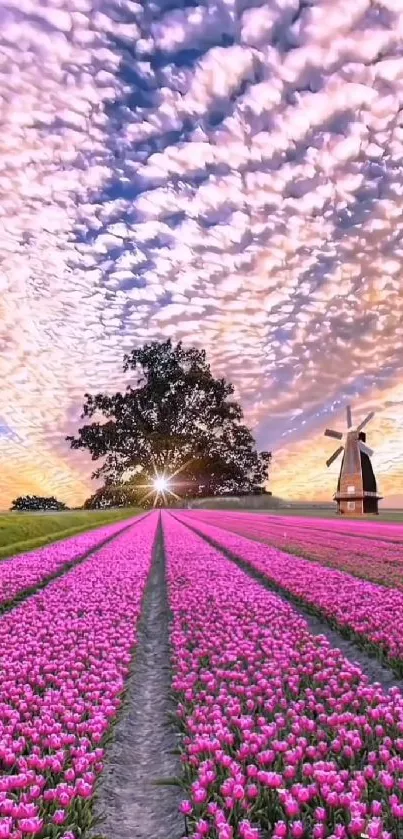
(37, 502)
(174, 418)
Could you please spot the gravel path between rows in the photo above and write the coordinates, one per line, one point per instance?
(370, 665)
(133, 805)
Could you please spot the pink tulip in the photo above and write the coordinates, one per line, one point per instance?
(5, 828)
(31, 826)
(84, 790)
(238, 792)
(291, 807)
(199, 795)
(397, 811)
(356, 826)
(247, 831)
(59, 816)
(252, 791)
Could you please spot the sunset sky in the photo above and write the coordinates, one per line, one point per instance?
(226, 173)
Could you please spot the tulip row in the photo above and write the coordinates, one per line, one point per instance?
(66, 653)
(281, 735)
(23, 572)
(370, 559)
(369, 613)
(370, 528)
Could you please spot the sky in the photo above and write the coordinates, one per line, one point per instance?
(224, 173)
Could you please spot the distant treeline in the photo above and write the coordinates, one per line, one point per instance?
(34, 503)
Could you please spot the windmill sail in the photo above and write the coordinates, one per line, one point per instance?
(365, 449)
(365, 421)
(334, 455)
(349, 417)
(336, 434)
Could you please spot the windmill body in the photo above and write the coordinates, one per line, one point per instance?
(357, 492)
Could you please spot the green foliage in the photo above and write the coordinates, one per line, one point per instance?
(176, 419)
(37, 502)
(110, 495)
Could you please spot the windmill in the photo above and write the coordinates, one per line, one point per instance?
(357, 492)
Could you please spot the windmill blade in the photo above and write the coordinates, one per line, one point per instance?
(334, 455)
(365, 449)
(365, 421)
(349, 417)
(336, 434)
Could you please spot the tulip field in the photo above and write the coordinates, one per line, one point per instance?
(65, 653)
(279, 734)
(368, 553)
(372, 614)
(26, 571)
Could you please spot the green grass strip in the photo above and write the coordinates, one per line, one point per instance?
(47, 532)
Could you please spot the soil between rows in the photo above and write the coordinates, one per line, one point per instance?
(133, 804)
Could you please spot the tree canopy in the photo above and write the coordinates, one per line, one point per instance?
(111, 495)
(174, 419)
(37, 502)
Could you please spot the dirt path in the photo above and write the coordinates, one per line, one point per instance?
(141, 752)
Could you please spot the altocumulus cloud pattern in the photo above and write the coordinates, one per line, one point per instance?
(226, 173)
